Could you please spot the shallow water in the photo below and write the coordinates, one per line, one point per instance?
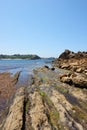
(25, 66)
(22, 65)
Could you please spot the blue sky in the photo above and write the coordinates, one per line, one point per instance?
(43, 27)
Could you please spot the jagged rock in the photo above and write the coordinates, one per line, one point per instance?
(76, 62)
(65, 66)
(67, 54)
(66, 80)
(79, 70)
(80, 81)
(75, 79)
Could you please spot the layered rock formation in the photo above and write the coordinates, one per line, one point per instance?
(48, 104)
(14, 119)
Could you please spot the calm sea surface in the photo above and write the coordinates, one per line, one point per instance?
(25, 66)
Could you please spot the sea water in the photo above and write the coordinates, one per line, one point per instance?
(24, 66)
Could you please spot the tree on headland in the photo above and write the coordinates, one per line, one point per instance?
(18, 56)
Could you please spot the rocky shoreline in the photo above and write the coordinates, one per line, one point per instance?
(56, 99)
(7, 92)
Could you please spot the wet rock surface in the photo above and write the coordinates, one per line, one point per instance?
(48, 104)
(7, 91)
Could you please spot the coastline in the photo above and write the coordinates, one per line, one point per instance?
(51, 101)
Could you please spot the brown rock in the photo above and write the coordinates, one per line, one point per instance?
(14, 120)
(65, 66)
(76, 62)
(79, 70)
(37, 113)
(66, 79)
(80, 81)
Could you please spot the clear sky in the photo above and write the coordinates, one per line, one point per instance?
(43, 27)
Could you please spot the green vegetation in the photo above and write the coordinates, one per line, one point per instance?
(79, 115)
(62, 89)
(27, 106)
(18, 56)
(53, 113)
(44, 79)
(42, 93)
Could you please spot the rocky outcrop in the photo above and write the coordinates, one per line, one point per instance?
(72, 61)
(76, 63)
(67, 54)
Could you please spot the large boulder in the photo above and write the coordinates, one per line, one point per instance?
(79, 81)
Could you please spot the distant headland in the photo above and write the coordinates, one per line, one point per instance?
(18, 56)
